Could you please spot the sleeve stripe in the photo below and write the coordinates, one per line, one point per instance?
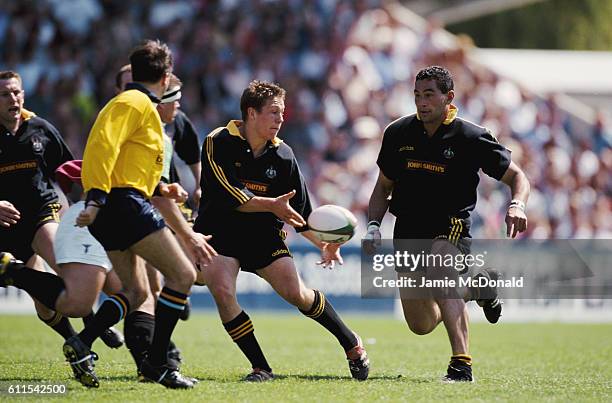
(220, 175)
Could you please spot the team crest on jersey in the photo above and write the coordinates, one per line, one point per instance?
(448, 153)
(271, 172)
(36, 144)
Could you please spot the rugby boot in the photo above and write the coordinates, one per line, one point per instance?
(358, 361)
(165, 375)
(8, 263)
(486, 297)
(112, 338)
(259, 375)
(458, 371)
(81, 359)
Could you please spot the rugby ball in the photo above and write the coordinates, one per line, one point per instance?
(332, 224)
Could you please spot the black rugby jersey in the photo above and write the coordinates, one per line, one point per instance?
(185, 141)
(28, 161)
(231, 177)
(436, 178)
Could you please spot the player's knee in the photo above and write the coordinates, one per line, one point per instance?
(183, 278)
(77, 310)
(420, 327)
(223, 294)
(187, 279)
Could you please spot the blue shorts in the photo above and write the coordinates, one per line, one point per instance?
(126, 218)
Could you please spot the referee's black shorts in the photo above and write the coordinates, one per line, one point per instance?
(126, 218)
(17, 239)
(254, 249)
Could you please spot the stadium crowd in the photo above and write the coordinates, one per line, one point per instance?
(348, 68)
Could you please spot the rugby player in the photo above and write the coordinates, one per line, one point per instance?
(252, 185)
(429, 164)
(31, 149)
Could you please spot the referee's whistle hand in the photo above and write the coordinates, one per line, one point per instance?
(87, 216)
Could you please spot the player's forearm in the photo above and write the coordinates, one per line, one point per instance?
(379, 203)
(257, 205)
(516, 179)
(172, 215)
(520, 187)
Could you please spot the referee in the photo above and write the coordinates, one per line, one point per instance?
(429, 164)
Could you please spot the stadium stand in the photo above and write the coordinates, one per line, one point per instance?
(348, 69)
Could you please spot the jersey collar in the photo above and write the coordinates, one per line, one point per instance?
(26, 114)
(137, 86)
(233, 129)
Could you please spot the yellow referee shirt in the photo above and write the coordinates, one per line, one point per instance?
(125, 148)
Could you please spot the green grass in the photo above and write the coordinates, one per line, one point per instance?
(512, 362)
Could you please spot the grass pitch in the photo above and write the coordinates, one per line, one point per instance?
(512, 362)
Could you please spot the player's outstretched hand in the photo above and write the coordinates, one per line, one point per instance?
(87, 216)
(198, 249)
(9, 215)
(173, 191)
(283, 210)
(516, 221)
(330, 254)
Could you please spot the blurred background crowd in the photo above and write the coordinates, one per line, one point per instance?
(348, 67)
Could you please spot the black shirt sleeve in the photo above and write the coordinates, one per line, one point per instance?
(219, 179)
(386, 157)
(186, 142)
(494, 158)
(301, 201)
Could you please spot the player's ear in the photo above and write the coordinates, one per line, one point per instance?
(450, 95)
(251, 112)
(166, 80)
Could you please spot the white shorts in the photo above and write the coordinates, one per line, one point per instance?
(76, 244)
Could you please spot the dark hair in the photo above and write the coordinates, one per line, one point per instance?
(124, 69)
(442, 77)
(256, 95)
(8, 74)
(150, 61)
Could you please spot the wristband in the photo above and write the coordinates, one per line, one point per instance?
(96, 197)
(157, 190)
(517, 203)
